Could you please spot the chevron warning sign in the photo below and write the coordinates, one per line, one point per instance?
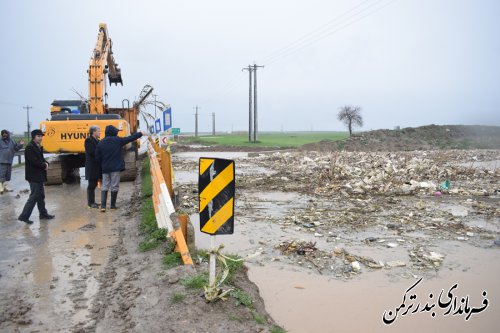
(216, 196)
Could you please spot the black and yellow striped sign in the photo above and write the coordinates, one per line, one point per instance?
(216, 194)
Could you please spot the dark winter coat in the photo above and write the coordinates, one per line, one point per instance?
(92, 165)
(7, 149)
(35, 163)
(109, 150)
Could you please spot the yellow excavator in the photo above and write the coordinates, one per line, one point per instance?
(70, 120)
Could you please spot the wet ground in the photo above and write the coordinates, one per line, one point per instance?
(327, 254)
(327, 261)
(49, 269)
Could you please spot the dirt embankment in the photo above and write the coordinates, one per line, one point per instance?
(429, 137)
(138, 294)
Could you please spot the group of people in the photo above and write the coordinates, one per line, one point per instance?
(103, 161)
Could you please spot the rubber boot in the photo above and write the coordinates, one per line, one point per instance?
(114, 195)
(1, 188)
(91, 199)
(6, 187)
(104, 198)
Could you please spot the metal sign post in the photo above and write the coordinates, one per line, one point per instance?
(213, 259)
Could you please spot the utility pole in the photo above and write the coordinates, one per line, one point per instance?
(154, 95)
(250, 121)
(213, 123)
(27, 107)
(255, 122)
(196, 121)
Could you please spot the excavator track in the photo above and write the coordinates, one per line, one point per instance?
(65, 169)
(54, 173)
(130, 172)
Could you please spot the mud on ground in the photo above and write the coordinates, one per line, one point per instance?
(138, 294)
(58, 280)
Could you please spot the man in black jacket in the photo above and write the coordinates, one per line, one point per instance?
(109, 153)
(36, 175)
(92, 166)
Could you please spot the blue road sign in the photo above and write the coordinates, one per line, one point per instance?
(167, 119)
(157, 126)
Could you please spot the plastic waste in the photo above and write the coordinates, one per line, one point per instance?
(445, 185)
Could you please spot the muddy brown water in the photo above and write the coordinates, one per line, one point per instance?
(54, 262)
(301, 300)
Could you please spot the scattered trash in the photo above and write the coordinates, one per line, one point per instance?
(395, 263)
(399, 198)
(394, 226)
(356, 267)
(337, 251)
(445, 185)
(424, 259)
(370, 239)
(434, 256)
(380, 264)
(301, 248)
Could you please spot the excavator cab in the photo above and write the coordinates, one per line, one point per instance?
(68, 107)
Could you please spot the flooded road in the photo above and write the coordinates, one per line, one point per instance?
(304, 296)
(50, 268)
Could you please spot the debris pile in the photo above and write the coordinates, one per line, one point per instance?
(394, 173)
(298, 247)
(423, 259)
(399, 206)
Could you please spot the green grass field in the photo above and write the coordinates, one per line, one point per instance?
(282, 140)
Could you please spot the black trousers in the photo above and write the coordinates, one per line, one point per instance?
(91, 191)
(37, 197)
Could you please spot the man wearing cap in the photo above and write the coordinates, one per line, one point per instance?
(109, 153)
(7, 149)
(36, 175)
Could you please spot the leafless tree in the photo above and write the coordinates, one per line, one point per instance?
(350, 116)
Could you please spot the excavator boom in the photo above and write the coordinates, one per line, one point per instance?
(102, 62)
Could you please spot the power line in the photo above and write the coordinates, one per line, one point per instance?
(313, 32)
(348, 21)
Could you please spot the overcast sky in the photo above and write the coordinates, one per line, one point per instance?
(405, 62)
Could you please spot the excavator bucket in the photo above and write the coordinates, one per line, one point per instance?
(115, 77)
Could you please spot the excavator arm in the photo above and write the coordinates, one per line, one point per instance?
(102, 62)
